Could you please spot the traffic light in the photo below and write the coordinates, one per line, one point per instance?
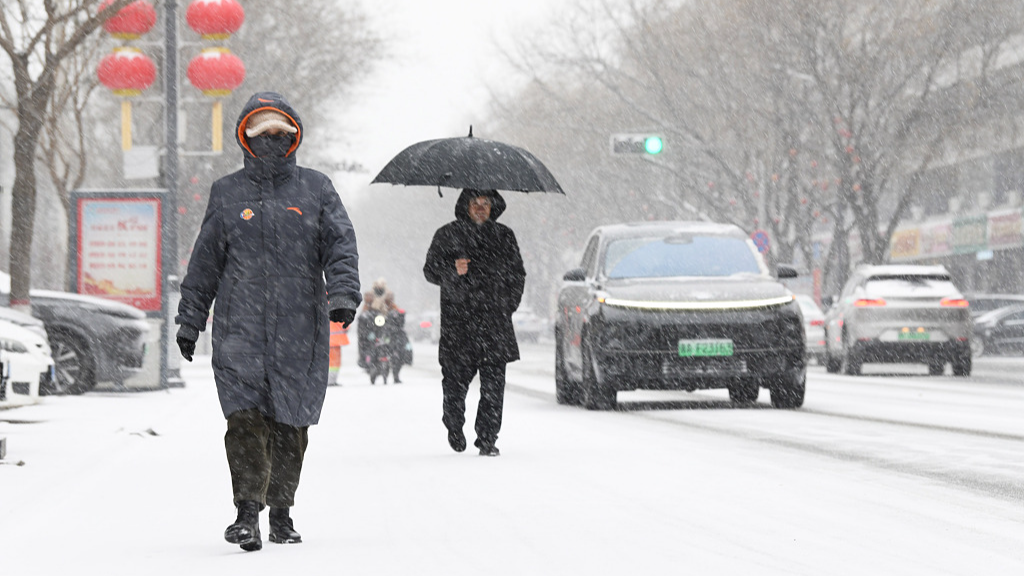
(653, 145)
(649, 144)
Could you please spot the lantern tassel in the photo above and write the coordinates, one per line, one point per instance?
(217, 136)
(126, 125)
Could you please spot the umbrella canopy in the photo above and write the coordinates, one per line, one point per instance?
(469, 163)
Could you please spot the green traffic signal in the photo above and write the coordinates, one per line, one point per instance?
(653, 145)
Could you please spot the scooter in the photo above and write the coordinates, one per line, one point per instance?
(378, 354)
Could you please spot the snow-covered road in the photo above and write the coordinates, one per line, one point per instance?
(876, 475)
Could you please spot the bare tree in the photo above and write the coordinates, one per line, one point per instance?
(888, 86)
(63, 143)
(793, 115)
(38, 37)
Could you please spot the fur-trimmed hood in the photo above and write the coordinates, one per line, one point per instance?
(264, 101)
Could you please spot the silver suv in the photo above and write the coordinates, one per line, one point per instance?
(899, 314)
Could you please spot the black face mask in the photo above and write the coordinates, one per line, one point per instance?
(269, 145)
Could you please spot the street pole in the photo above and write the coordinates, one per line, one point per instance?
(169, 212)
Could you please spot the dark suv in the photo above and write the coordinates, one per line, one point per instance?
(677, 306)
(93, 340)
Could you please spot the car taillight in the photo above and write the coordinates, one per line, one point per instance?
(817, 322)
(425, 324)
(864, 302)
(954, 302)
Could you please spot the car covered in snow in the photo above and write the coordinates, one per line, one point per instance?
(93, 339)
(26, 321)
(677, 306)
(28, 364)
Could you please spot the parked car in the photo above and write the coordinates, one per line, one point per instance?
(999, 331)
(814, 327)
(676, 306)
(26, 321)
(528, 325)
(984, 303)
(28, 364)
(93, 339)
(899, 314)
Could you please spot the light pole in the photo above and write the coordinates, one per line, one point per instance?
(168, 215)
(216, 73)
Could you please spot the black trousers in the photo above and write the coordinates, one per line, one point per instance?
(265, 458)
(455, 379)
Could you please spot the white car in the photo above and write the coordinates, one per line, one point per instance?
(814, 327)
(28, 362)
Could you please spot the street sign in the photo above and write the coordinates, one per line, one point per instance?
(761, 240)
(637, 144)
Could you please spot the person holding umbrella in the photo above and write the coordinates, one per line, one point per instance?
(477, 264)
(272, 233)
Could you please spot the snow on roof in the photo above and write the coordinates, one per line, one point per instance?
(902, 270)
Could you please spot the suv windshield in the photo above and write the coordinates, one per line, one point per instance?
(682, 255)
(910, 285)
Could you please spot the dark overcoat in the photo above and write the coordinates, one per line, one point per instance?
(476, 308)
(272, 233)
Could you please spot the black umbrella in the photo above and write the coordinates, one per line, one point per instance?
(469, 163)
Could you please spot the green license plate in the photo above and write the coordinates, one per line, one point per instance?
(690, 348)
(914, 336)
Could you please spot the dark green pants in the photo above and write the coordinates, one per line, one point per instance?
(265, 458)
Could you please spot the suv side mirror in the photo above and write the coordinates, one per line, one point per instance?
(785, 271)
(575, 275)
(827, 301)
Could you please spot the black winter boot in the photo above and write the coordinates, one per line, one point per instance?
(457, 440)
(282, 531)
(246, 530)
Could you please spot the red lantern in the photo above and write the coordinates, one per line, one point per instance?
(215, 19)
(130, 22)
(127, 72)
(216, 72)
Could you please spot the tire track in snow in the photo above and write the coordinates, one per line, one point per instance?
(1007, 489)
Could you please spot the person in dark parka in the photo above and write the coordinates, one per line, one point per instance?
(272, 233)
(477, 264)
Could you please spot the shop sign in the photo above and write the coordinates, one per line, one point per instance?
(905, 244)
(970, 234)
(937, 240)
(1004, 230)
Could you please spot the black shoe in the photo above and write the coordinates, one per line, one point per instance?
(489, 450)
(457, 440)
(282, 531)
(246, 530)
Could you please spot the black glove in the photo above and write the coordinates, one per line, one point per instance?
(343, 315)
(186, 338)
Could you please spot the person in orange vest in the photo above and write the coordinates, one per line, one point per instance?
(339, 338)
